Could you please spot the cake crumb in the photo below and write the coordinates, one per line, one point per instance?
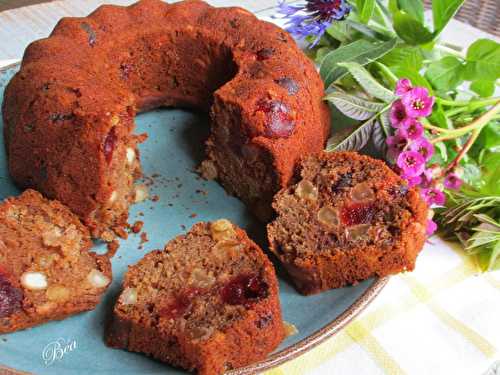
(121, 232)
(112, 247)
(290, 329)
(192, 216)
(155, 198)
(137, 226)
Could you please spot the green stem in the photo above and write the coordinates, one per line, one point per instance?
(427, 125)
(449, 51)
(478, 123)
(463, 151)
(464, 103)
(386, 22)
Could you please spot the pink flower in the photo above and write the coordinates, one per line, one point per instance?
(398, 115)
(411, 163)
(433, 196)
(397, 143)
(413, 129)
(423, 147)
(431, 227)
(403, 86)
(413, 181)
(452, 182)
(417, 102)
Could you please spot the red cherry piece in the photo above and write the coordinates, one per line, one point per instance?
(279, 122)
(109, 144)
(11, 298)
(265, 54)
(357, 213)
(244, 289)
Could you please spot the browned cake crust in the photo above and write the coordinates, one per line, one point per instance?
(69, 112)
(207, 302)
(349, 217)
(46, 269)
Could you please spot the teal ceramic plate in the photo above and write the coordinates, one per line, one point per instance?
(169, 158)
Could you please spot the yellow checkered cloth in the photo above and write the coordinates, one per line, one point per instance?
(443, 318)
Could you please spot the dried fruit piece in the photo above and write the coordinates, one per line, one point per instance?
(181, 304)
(109, 144)
(52, 237)
(128, 296)
(329, 217)
(97, 279)
(289, 84)
(357, 213)
(362, 192)
(58, 293)
(34, 280)
(265, 54)
(358, 232)
(11, 298)
(306, 190)
(343, 182)
(279, 120)
(244, 289)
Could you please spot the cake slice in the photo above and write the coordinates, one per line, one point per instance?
(349, 217)
(207, 302)
(47, 271)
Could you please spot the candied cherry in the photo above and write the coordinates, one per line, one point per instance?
(289, 84)
(11, 298)
(265, 54)
(244, 289)
(279, 121)
(357, 213)
(109, 144)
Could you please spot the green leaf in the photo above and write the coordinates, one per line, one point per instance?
(445, 74)
(381, 130)
(353, 106)
(414, 8)
(354, 141)
(442, 12)
(360, 51)
(411, 30)
(369, 84)
(340, 31)
(365, 9)
(483, 61)
(405, 56)
(483, 88)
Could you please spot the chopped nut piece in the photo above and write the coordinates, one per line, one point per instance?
(130, 155)
(34, 280)
(329, 216)
(208, 170)
(115, 120)
(358, 232)
(97, 279)
(201, 333)
(141, 193)
(128, 296)
(58, 293)
(113, 196)
(201, 278)
(52, 237)
(222, 230)
(362, 192)
(306, 190)
(290, 329)
(45, 261)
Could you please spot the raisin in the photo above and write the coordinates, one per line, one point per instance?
(399, 191)
(357, 213)
(56, 117)
(265, 54)
(343, 182)
(279, 122)
(126, 69)
(109, 144)
(244, 289)
(92, 37)
(289, 84)
(264, 321)
(11, 298)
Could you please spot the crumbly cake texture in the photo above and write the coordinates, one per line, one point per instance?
(348, 217)
(208, 302)
(69, 112)
(46, 269)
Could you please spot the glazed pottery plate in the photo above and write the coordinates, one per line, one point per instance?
(178, 199)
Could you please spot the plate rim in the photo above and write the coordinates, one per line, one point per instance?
(299, 348)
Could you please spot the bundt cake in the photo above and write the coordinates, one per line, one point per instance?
(69, 112)
(349, 217)
(207, 302)
(46, 269)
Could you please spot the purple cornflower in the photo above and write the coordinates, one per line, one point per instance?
(403, 86)
(452, 182)
(313, 17)
(433, 196)
(398, 115)
(417, 102)
(423, 147)
(411, 163)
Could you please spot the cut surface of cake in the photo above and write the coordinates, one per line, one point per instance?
(207, 302)
(349, 217)
(69, 112)
(46, 269)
